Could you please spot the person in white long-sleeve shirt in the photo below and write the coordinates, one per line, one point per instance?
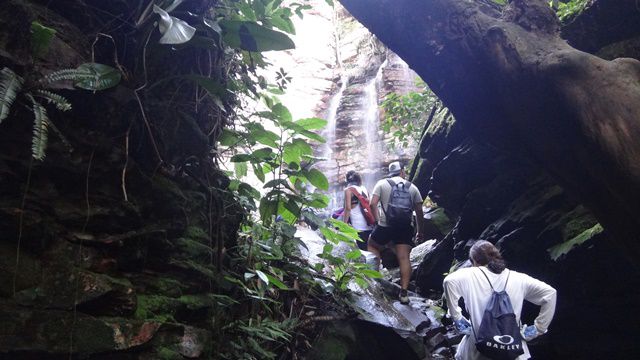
(471, 285)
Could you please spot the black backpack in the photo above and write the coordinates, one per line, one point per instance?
(498, 336)
(400, 207)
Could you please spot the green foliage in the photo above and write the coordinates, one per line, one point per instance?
(10, 85)
(89, 76)
(567, 10)
(250, 36)
(557, 251)
(41, 37)
(406, 114)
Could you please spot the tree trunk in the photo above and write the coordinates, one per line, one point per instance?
(512, 81)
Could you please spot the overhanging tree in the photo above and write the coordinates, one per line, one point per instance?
(508, 76)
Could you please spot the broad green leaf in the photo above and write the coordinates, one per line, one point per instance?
(262, 154)
(240, 158)
(371, 273)
(100, 77)
(240, 169)
(173, 30)
(293, 207)
(303, 146)
(319, 201)
(288, 216)
(327, 248)
(263, 276)
(257, 170)
(275, 281)
(312, 123)
(313, 136)
(317, 179)
(329, 235)
(248, 190)
(257, 133)
(361, 282)
(282, 112)
(228, 137)
(311, 217)
(234, 185)
(275, 182)
(344, 228)
(41, 37)
(250, 36)
(283, 23)
(354, 254)
(291, 153)
(268, 208)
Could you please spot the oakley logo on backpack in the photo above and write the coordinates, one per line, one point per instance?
(503, 339)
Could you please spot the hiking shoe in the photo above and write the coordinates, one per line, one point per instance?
(404, 297)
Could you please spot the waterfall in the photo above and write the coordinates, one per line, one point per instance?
(370, 125)
(330, 165)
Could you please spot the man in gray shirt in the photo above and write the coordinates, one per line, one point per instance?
(400, 237)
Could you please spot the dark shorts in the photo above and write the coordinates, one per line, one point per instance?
(382, 235)
(364, 236)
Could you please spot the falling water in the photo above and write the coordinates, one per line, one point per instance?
(331, 165)
(370, 125)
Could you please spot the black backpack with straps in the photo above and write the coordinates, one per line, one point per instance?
(400, 207)
(498, 336)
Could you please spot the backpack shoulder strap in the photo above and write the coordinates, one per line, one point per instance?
(391, 182)
(485, 275)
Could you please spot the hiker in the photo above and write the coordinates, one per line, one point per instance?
(398, 199)
(357, 210)
(476, 285)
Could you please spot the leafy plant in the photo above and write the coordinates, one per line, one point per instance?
(89, 76)
(406, 114)
(567, 10)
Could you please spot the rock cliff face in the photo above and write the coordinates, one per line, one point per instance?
(102, 257)
(541, 230)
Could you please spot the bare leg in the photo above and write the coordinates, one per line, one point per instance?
(372, 248)
(402, 252)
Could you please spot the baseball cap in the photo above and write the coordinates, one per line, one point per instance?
(394, 168)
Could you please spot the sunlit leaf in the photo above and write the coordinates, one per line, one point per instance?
(275, 281)
(317, 179)
(354, 254)
(240, 169)
(371, 273)
(312, 123)
(41, 37)
(240, 158)
(282, 112)
(228, 137)
(250, 36)
(263, 276)
(99, 76)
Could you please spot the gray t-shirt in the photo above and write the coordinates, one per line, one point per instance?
(383, 190)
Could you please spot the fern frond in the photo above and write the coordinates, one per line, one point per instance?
(63, 138)
(40, 129)
(10, 85)
(67, 74)
(52, 98)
